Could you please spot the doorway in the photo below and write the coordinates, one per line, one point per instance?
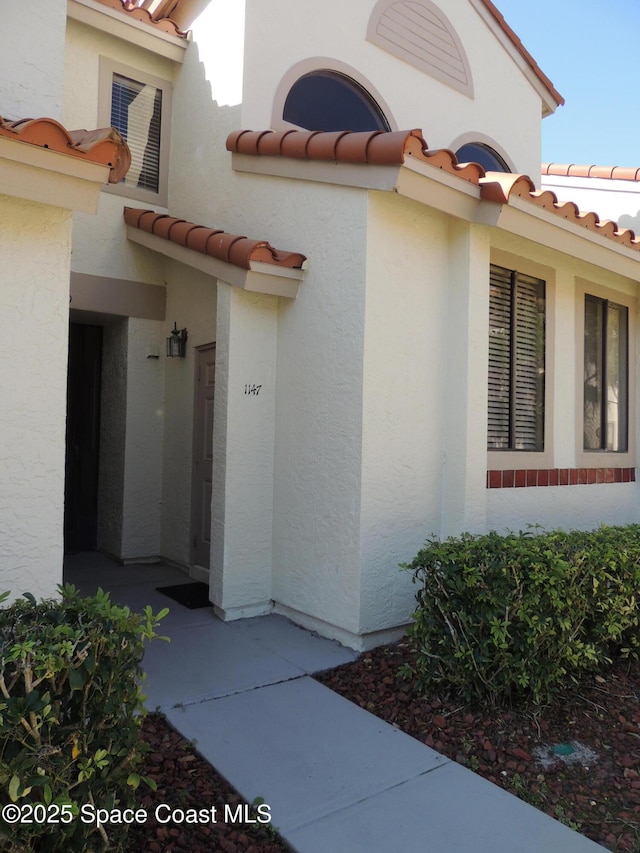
(83, 438)
(202, 456)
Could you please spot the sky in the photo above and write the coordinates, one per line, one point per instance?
(588, 49)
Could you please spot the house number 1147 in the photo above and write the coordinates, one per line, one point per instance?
(252, 389)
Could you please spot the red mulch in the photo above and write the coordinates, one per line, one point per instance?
(600, 797)
(186, 781)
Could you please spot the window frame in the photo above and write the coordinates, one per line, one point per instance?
(609, 458)
(109, 67)
(507, 459)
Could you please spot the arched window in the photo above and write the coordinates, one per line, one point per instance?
(327, 100)
(478, 152)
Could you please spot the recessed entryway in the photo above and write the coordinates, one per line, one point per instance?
(83, 438)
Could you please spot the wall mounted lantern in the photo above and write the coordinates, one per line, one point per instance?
(177, 342)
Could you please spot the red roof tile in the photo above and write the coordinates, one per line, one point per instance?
(500, 187)
(375, 147)
(138, 12)
(393, 149)
(616, 173)
(231, 248)
(104, 146)
(497, 14)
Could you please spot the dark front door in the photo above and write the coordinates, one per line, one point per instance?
(83, 438)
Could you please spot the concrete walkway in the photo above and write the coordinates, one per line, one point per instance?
(336, 777)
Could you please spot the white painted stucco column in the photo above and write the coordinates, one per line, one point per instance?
(464, 406)
(35, 244)
(243, 448)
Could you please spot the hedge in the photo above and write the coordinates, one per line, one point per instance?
(522, 615)
(70, 714)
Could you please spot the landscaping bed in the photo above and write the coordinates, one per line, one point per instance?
(595, 788)
(186, 781)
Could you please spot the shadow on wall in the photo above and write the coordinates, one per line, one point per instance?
(628, 221)
(200, 177)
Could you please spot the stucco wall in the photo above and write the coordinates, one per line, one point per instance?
(143, 452)
(202, 185)
(316, 538)
(404, 376)
(424, 457)
(99, 243)
(35, 244)
(32, 59)
(505, 106)
(191, 302)
(243, 457)
(567, 507)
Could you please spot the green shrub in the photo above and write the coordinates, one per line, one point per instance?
(70, 714)
(519, 615)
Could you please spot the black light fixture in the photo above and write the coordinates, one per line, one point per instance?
(177, 342)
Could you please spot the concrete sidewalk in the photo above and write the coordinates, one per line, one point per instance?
(336, 777)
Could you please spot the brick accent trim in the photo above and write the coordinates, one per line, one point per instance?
(523, 477)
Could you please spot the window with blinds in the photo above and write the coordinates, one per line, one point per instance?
(516, 361)
(136, 111)
(606, 369)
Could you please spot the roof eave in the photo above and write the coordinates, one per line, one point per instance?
(107, 20)
(260, 278)
(454, 196)
(45, 176)
(524, 219)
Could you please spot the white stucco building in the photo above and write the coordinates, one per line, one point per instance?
(411, 339)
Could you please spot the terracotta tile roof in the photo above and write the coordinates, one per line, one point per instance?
(616, 173)
(504, 26)
(392, 148)
(231, 248)
(141, 11)
(375, 147)
(500, 187)
(104, 146)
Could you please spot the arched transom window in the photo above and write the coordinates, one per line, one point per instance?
(327, 100)
(479, 152)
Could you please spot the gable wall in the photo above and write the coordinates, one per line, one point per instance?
(505, 106)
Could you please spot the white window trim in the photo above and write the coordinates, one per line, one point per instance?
(605, 458)
(507, 460)
(107, 69)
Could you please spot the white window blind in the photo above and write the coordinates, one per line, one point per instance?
(516, 361)
(136, 111)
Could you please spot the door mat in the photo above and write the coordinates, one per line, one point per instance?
(192, 595)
